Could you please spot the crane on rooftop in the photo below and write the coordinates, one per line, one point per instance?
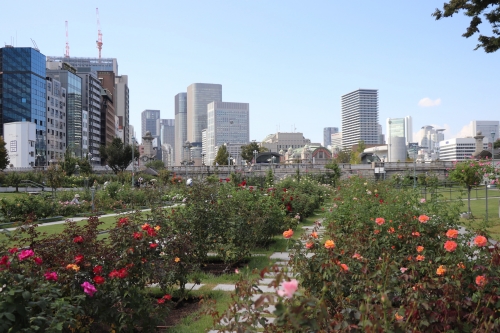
(67, 42)
(99, 34)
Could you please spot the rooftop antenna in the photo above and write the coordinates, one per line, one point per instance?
(67, 42)
(99, 34)
(34, 44)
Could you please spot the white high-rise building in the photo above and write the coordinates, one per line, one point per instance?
(430, 138)
(199, 95)
(227, 123)
(336, 142)
(360, 117)
(180, 127)
(399, 134)
(327, 135)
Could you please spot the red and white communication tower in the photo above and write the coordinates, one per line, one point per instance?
(99, 34)
(67, 42)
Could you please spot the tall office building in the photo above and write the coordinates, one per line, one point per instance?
(486, 127)
(22, 92)
(199, 95)
(360, 117)
(399, 134)
(66, 74)
(148, 121)
(56, 120)
(180, 126)
(91, 102)
(108, 111)
(327, 135)
(121, 103)
(228, 123)
(166, 130)
(430, 139)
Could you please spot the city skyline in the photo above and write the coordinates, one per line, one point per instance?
(423, 69)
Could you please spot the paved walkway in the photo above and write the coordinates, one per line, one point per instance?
(282, 260)
(78, 219)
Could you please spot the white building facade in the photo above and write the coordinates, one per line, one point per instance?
(227, 123)
(336, 142)
(459, 149)
(20, 138)
(360, 117)
(399, 134)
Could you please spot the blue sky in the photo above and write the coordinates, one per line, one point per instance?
(291, 60)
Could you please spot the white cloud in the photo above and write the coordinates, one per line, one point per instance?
(427, 102)
(464, 132)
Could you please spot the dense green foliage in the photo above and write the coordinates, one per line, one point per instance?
(117, 155)
(476, 9)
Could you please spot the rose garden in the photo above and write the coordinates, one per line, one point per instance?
(307, 253)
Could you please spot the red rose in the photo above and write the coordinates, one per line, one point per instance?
(79, 259)
(13, 250)
(167, 297)
(122, 273)
(38, 260)
(137, 235)
(153, 245)
(97, 269)
(161, 301)
(113, 274)
(78, 239)
(98, 280)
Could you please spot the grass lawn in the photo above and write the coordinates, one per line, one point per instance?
(478, 208)
(12, 196)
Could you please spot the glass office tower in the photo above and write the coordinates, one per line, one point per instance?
(22, 92)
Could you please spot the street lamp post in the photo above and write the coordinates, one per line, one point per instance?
(492, 146)
(133, 148)
(92, 190)
(187, 146)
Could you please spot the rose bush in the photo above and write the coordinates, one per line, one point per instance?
(388, 262)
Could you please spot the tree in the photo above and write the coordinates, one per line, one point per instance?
(222, 156)
(343, 156)
(4, 156)
(496, 144)
(247, 150)
(14, 179)
(117, 155)
(335, 171)
(476, 9)
(55, 177)
(156, 164)
(471, 173)
(69, 163)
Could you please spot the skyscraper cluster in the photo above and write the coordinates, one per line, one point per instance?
(76, 104)
(203, 123)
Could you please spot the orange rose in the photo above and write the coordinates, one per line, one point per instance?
(309, 245)
(481, 280)
(452, 233)
(314, 234)
(376, 232)
(450, 246)
(391, 230)
(416, 234)
(145, 226)
(420, 258)
(177, 259)
(420, 248)
(344, 267)
(329, 244)
(423, 218)
(461, 265)
(441, 270)
(480, 241)
(288, 234)
(380, 220)
(398, 317)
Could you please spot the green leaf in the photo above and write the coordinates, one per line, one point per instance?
(9, 316)
(26, 295)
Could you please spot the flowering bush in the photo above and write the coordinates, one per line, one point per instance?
(388, 262)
